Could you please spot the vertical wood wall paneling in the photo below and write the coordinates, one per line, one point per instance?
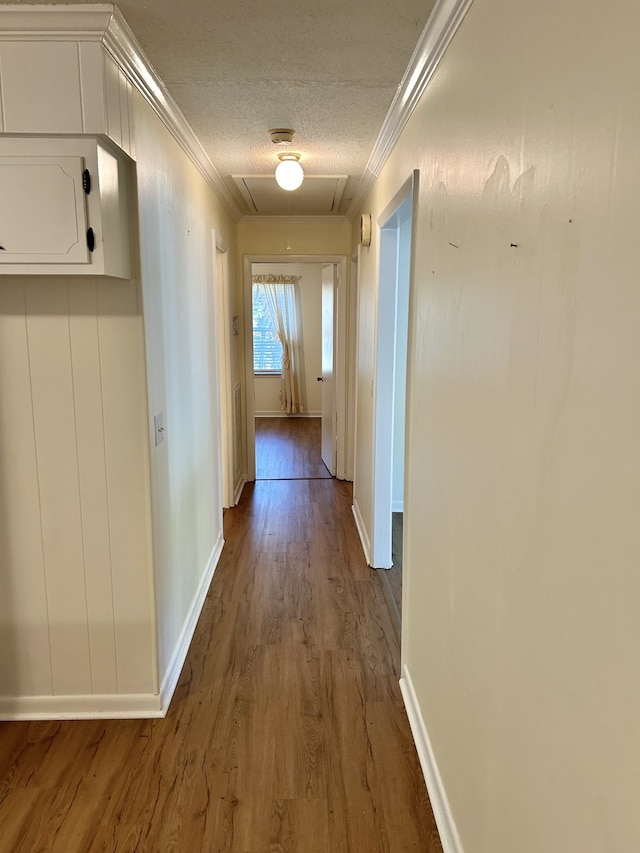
(125, 124)
(112, 94)
(25, 662)
(41, 87)
(57, 459)
(1, 98)
(94, 114)
(89, 416)
(127, 453)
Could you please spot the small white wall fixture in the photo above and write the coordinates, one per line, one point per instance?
(397, 212)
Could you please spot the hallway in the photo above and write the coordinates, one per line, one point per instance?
(286, 733)
(289, 449)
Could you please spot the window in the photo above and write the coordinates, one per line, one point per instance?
(267, 349)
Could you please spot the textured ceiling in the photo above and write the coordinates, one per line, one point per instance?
(240, 67)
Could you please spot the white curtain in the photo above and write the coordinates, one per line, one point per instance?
(281, 295)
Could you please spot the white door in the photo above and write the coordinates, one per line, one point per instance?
(329, 452)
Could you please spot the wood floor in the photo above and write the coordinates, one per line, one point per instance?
(288, 449)
(286, 734)
(392, 578)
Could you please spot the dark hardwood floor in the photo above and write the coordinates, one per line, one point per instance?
(289, 449)
(287, 732)
(392, 578)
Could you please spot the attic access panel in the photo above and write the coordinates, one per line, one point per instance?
(319, 195)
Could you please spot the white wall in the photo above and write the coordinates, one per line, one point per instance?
(520, 632)
(107, 542)
(267, 388)
(177, 213)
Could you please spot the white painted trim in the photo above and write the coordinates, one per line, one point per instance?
(352, 360)
(271, 413)
(250, 427)
(362, 531)
(172, 674)
(385, 368)
(120, 41)
(435, 786)
(123, 706)
(54, 23)
(104, 23)
(445, 18)
(318, 219)
(83, 707)
(397, 506)
(219, 294)
(247, 262)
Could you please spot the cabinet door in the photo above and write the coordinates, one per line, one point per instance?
(45, 221)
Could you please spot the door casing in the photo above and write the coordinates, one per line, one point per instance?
(341, 343)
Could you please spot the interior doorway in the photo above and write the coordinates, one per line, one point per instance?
(263, 398)
(390, 379)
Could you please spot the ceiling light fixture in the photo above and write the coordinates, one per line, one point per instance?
(289, 173)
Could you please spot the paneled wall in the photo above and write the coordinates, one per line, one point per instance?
(74, 504)
(64, 87)
(107, 540)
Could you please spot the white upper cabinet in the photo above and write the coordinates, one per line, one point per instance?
(44, 219)
(64, 208)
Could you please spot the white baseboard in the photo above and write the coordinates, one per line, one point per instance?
(397, 506)
(281, 414)
(115, 706)
(86, 707)
(439, 803)
(174, 668)
(364, 539)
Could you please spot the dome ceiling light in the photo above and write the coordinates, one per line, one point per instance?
(289, 172)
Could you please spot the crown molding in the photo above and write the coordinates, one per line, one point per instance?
(121, 43)
(54, 23)
(312, 219)
(446, 17)
(105, 24)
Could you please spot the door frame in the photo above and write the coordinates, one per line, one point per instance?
(352, 365)
(221, 290)
(384, 379)
(328, 407)
(340, 334)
